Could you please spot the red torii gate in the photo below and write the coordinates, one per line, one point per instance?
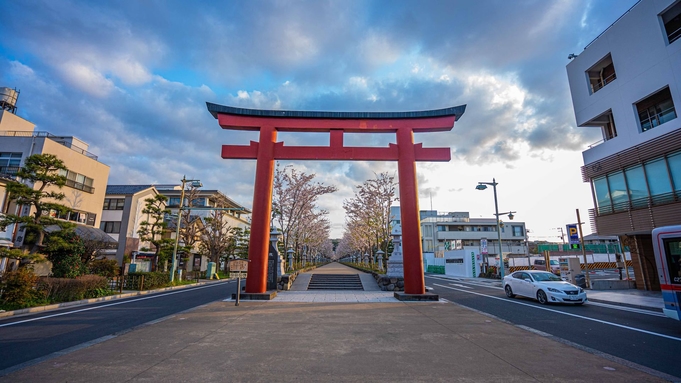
(266, 150)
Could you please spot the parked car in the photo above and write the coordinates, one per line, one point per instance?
(540, 264)
(543, 286)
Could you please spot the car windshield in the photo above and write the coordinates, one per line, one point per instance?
(546, 277)
(554, 262)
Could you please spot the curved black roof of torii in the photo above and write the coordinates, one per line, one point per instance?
(214, 109)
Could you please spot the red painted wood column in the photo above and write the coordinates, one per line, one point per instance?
(262, 210)
(414, 282)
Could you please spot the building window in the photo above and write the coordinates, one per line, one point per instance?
(114, 203)
(602, 195)
(199, 201)
(517, 231)
(618, 191)
(601, 74)
(111, 226)
(655, 182)
(174, 201)
(637, 186)
(78, 181)
(658, 177)
(672, 22)
(674, 162)
(10, 163)
(428, 231)
(656, 109)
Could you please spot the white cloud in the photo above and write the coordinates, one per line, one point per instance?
(86, 79)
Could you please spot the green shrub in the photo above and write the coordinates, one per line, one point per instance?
(17, 289)
(152, 280)
(73, 289)
(64, 250)
(104, 267)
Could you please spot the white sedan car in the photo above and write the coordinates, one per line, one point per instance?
(544, 286)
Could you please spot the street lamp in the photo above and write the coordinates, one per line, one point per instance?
(483, 186)
(196, 184)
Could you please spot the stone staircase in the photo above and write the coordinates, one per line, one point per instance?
(335, 282)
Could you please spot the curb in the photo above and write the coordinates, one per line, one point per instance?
(81, 302)
(632, 305)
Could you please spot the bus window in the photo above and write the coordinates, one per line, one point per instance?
(673, 250)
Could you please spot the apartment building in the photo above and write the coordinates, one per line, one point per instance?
(204, 202)
(122, 215)
(457, 231)
(86, 176)
(627, 83)
(441, 232)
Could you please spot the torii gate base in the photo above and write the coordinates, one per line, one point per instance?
(267, 150)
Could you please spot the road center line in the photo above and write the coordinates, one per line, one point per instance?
(113, 304)
(564, 313)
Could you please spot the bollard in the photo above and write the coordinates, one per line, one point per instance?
(238, 289)
(141, 282)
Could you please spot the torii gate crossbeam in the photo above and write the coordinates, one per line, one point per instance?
(267, 150)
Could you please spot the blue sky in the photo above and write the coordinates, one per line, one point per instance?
(131, 78)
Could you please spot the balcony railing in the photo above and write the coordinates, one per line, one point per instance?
(674, 35)
(599, 84)
(57, 139)
(80, 186)
(640, 203)
(9, 170)
(658, 119)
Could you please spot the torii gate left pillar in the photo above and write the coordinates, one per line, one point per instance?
(267, 150)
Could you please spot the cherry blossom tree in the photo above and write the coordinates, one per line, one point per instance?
(294, 209)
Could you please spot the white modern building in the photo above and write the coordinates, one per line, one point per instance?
(478, 237)
(443, 232)
(627, 83)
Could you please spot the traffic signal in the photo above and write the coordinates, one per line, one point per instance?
(575, 246)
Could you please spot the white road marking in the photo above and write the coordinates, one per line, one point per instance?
(564, 313)
(111, 304)
(458, 285)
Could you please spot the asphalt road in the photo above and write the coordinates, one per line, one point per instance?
(645, 338)
(29, 339)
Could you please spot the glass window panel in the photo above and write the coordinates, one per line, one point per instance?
(638, 189)
(674, 162)
(106, 204)
(120, 204)
(602, 194)
(658, 178)
(618, 190)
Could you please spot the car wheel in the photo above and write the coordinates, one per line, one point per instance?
(541, 297)
(509, 291)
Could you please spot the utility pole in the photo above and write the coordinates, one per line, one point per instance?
(581, 241)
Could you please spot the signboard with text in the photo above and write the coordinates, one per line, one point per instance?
(573, 234)
(238, 265)
(483, 246)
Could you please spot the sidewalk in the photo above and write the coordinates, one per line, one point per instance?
(648, 300)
